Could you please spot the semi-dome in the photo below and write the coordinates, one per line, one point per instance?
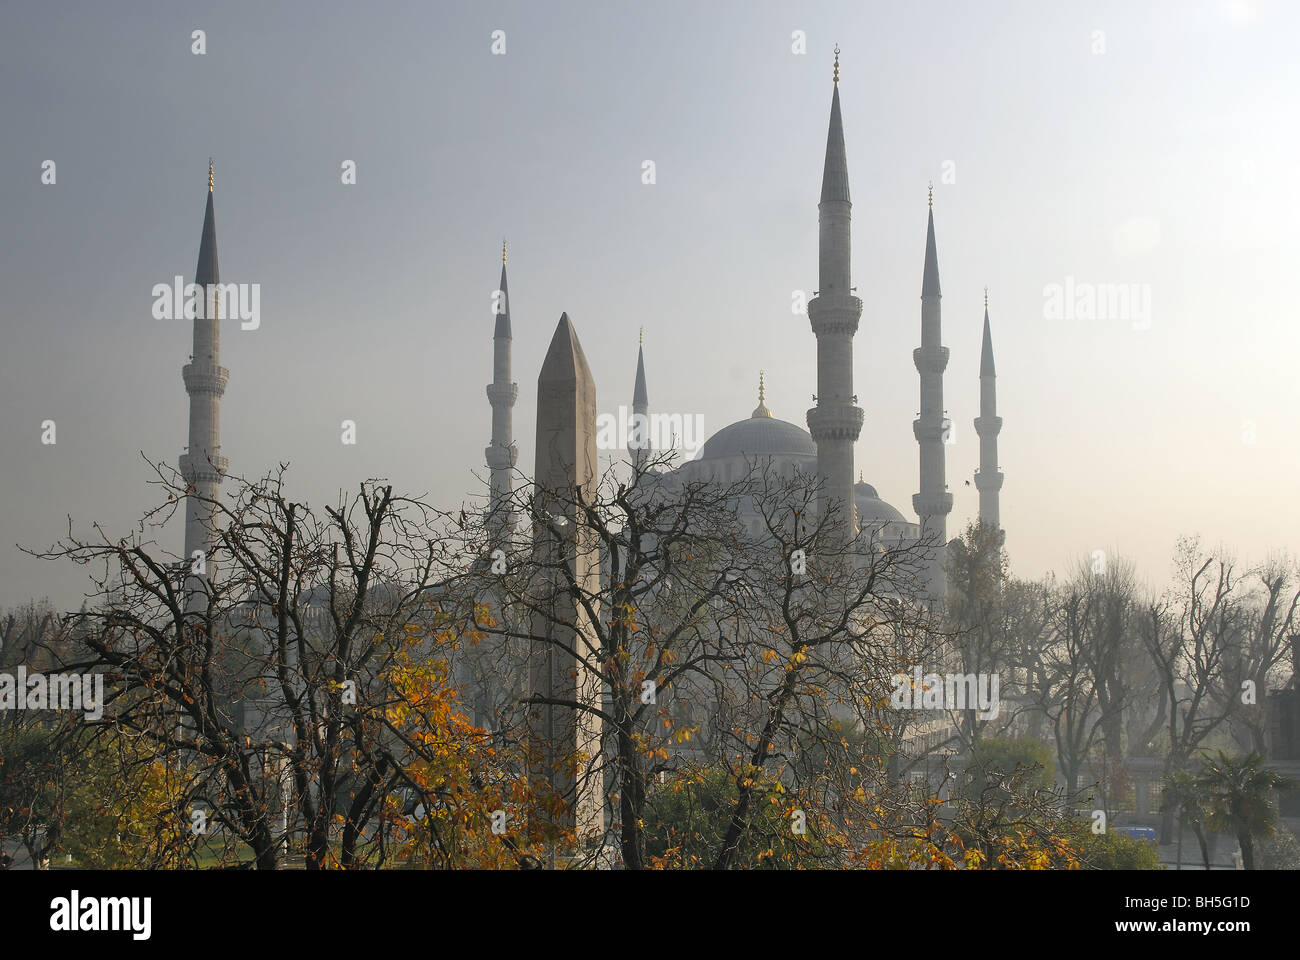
(871, 508)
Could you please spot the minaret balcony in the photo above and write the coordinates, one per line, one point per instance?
(932, 504)
(833, 315)
(202, 377)
(930, 360)
(988, 481)
(933, 430)
(500, 456)
(210, 468)
(840, 421)
(499, 393)
(988, 426)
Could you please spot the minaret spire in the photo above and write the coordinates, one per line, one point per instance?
(202, 466)
(638, 445)
(932, 428)
(833, 314)
(930, 275)
(988, 479)
(501, 454)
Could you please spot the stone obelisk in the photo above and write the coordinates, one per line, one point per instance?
(563, 548)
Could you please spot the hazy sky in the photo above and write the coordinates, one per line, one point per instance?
(1159, 152)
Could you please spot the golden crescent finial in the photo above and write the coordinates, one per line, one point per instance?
(986, 298)
(837, 64)
(210, 177)
(640, 340)
(761, 410)
(931, 194)
(503, 251)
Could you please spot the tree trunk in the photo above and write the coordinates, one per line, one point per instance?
(1205, 846)
(631, 801)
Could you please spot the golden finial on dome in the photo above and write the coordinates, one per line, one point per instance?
(837, 64)
(761, 410)
(210, 177)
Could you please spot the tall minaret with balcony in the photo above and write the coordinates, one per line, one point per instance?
(933, 503)
(501, 453)
(834, 312)
(638, 445)
(202, 466)
(988, 479)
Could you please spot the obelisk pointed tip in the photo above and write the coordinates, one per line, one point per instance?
(564, 357)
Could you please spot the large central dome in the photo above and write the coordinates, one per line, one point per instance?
(759, 437)
(762, 435)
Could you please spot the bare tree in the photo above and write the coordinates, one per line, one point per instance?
(1270, 634)
(1187, 637)
(727, 621)
(268, 676)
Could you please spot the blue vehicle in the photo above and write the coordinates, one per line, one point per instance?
(1138, 833)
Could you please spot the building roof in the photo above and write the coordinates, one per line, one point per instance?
(759, 436)
(872, 509)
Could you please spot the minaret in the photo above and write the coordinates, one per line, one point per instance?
(203, 466)
(933, 503)
(833, 314)
(501, 453)
(638, 445)
(988, 479)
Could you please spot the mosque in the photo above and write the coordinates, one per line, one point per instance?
(825, 448)
(567, 446)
